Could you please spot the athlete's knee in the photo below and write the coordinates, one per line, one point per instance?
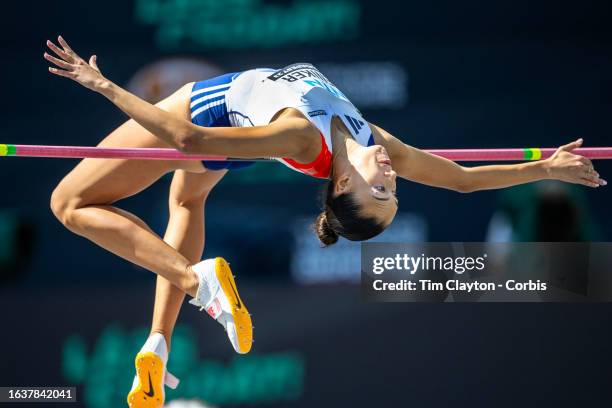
(192, 201)
(63, 206)
(59, 205)
(190, 196)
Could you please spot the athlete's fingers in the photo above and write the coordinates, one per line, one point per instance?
(69, 50)
(586, 161)
(591, 178)
(591, 171)
(60, 63)
(93, 61)
(589, 183)
(571, 146)
(59, 52)
(62, 72)
(65, 45)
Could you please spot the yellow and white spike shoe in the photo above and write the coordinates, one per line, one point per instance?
(218, 295)
(151, 376)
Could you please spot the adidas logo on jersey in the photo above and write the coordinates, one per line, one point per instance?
(356, 124)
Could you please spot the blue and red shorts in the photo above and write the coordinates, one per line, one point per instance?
(208, 108)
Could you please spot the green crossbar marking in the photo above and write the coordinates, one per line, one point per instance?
(533, 153)
(11, 150)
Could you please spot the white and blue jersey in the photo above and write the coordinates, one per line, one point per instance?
(252, 98)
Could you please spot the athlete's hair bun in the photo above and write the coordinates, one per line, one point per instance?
(326, 234)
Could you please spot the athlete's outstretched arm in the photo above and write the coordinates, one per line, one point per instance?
(422, 167)
(280, 139)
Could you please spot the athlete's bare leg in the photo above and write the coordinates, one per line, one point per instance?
(82, 200)
(185, 233)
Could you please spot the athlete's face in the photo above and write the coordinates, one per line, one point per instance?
(372, 181)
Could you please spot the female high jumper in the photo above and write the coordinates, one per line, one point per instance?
(295, 114)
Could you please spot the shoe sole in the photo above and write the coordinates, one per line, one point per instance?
(146, 364)
(242, 318)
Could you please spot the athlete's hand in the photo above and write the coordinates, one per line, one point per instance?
(566, 166)
(74, 67)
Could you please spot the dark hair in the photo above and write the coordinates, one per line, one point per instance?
(342, 216)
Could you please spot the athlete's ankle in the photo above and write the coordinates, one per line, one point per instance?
(167, 336)
(156, 343)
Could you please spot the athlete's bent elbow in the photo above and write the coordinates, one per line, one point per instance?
(464, 187)
(464, 183)
(187, 142)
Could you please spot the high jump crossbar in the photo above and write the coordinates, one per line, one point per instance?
(79, 152)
